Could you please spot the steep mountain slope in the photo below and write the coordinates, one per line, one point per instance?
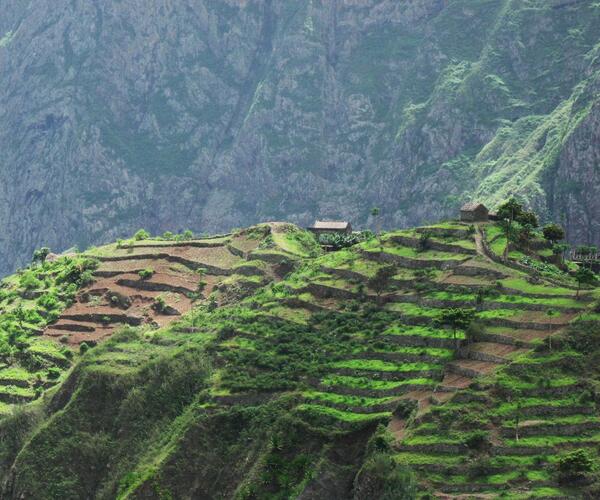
(267, 373)
(261, 110)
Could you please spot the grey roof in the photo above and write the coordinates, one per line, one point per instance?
(320, 224)
(469, 207)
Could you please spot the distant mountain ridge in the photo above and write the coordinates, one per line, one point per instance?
(218, 114)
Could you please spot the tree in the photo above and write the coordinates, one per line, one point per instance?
(510, 210)
(525, 235)
(457, 318)
(424, 242)
(559, 248)
(511, 232)
(584, 276)
(527, 218)
(553, 233)
(40, 255)
(517, 421)
(20, 315)
(375, 213)
(380, 282)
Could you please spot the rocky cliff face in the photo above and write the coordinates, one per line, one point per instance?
(219, 113)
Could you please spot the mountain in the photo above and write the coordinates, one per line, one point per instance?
(216, 114)
(257, 365)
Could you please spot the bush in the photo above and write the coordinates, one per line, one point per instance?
(424, 242)
(30, 282)
(146, 273)
(382, 478)
(574, 466)
(53, 373)
(159, 304)
(339, 241)
(553, 233)
(142, 234)
(478, 441)
(406, 408)
(48, 301)
(479, 468)
(528, 219)
(83, 348)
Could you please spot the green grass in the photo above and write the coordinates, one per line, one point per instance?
(370, 384)
(408, 458)
(508, 299)
(423, 331)
(413, 310)
(296, 241)
(511, 408)
(345, 399)
(431, 439)
(512, 382)
(17, 391)
(344, 416)
(552, 441)
(383, 366)
(449, 225)
(558, 421)
(498, 313)
(47, 348)
(411, 253)
(413, 351)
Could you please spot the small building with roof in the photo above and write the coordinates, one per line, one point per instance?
(322, 227)
(474, 212)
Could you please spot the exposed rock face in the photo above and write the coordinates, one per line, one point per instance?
(212, 114)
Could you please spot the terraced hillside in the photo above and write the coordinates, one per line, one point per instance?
(53, 307)
(29, 302)
(253, 365)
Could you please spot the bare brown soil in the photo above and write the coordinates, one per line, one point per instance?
(180, 275)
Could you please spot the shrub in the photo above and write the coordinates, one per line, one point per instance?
(382, 478)
(83, 348)
(424, 243)
(142, 234)
(159, 304)
(53, 373)
(553, 233)
(406, 408)
(339, 241)
(574, 466)
(479, 468)
(380, 282)
(474, 331)
(30, 282)
(48, 301)
(528, 219)
(477, 440)
(40, 255)
(146, 273)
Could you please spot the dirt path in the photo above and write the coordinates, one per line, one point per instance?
(480, 246)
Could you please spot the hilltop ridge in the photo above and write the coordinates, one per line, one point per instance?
(256, 365)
